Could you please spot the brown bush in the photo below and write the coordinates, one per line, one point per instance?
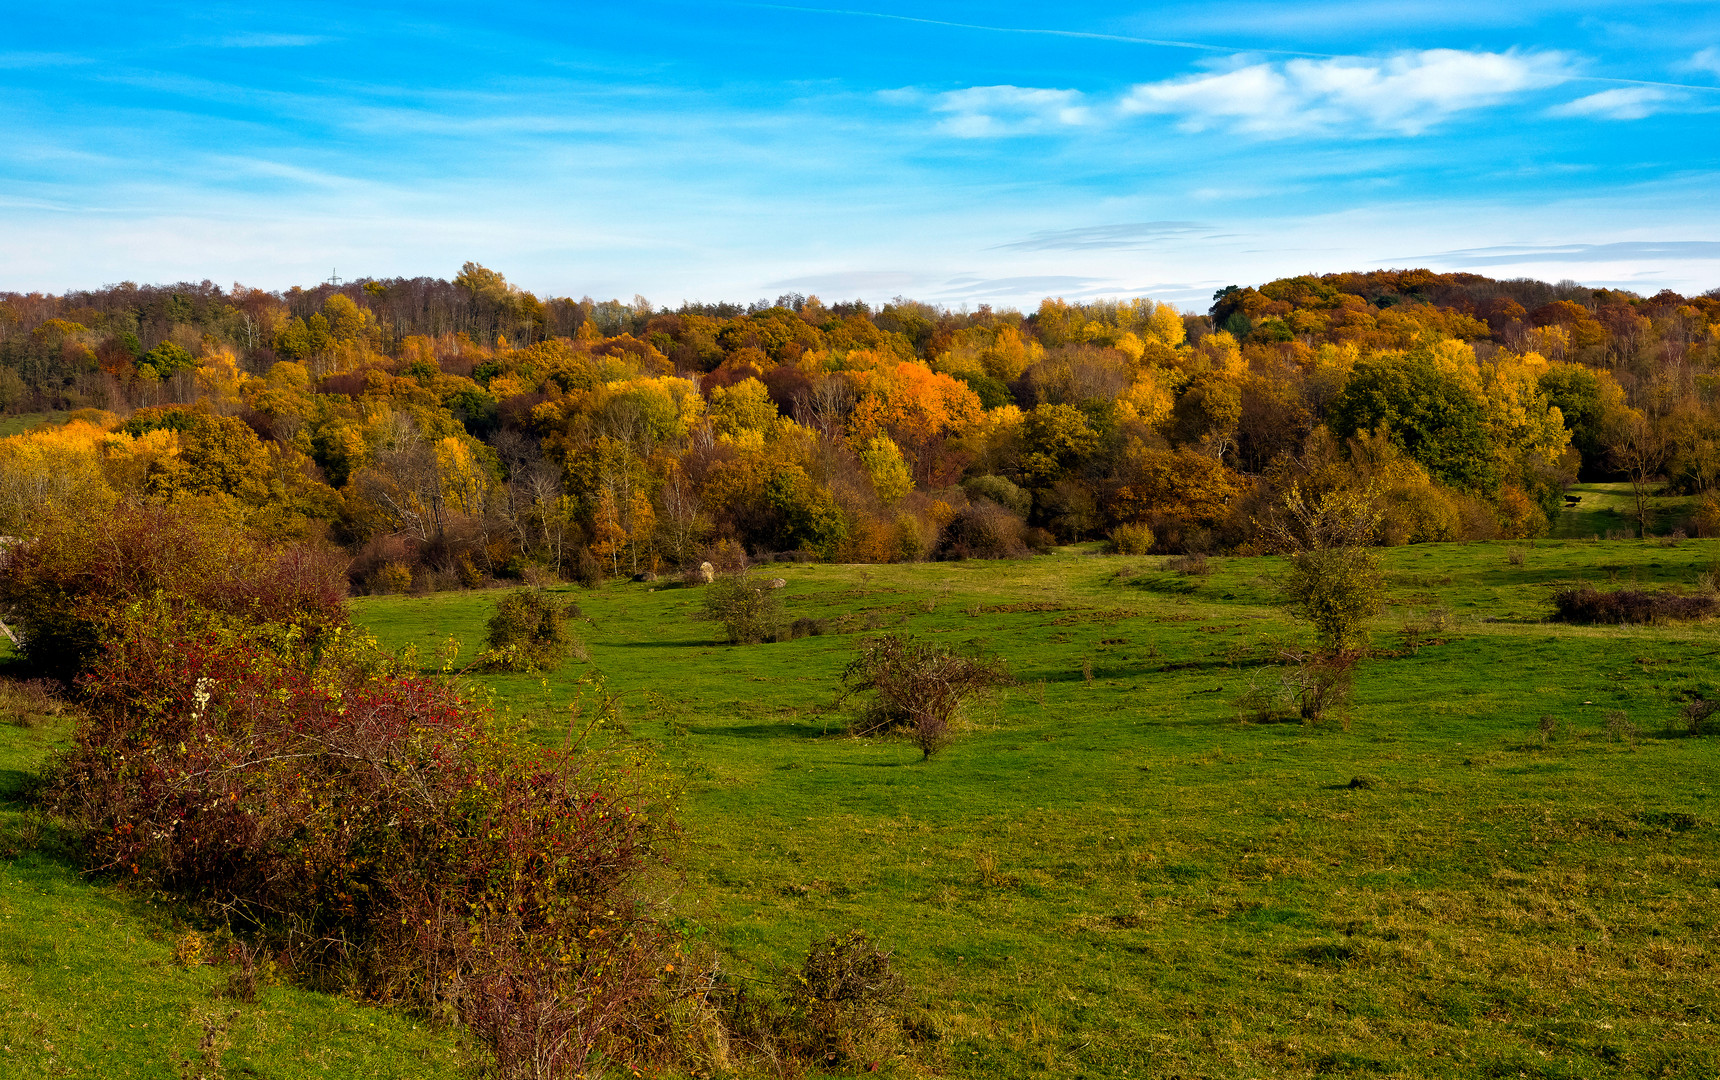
(1641, 607)
(984, 531)
(918, 687)
(69, 584)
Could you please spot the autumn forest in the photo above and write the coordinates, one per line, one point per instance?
(457, 432)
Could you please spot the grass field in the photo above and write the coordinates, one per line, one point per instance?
(19, 423)
(1113, 876)
(1109, 874)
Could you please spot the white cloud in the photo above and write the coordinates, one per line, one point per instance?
(1403, 94)
(1625, 103)
(984, 111)
(1707, 60)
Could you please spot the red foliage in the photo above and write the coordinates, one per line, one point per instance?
(373, 827)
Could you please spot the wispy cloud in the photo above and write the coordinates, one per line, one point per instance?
(1707, 60)
(1127, 236)
(41, 59)
(1624, 103)
(990, 111)
(270, 41)
(852, 283)
(1078, 35)
(1404, 94)
(1624, 251)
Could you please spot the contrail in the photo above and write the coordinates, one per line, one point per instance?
(1164, 43)
(1031, 30)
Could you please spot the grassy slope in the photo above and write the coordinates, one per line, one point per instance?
(19, 423)
(1606, 509)
(1116, 878)
(88, 986)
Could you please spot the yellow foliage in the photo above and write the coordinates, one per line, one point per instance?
(507, 386)
(747, 441)
(1149, 399)
(464, 479)
(887, 468)
(55, 468)
(999, 352)
(221, 381)
(745, 406)
(1219, 352)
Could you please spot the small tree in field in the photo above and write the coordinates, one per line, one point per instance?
(1333, 583)
(919, 687)
(529, 632)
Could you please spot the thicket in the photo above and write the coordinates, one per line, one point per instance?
(376, 831)
(1641, 607)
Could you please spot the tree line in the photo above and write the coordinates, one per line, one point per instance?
(457, 431)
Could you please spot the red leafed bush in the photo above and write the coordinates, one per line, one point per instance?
(75, 577)
(242, 748)
(371, 826)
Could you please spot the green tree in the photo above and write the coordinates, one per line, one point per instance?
(166, 360)
(1425, 412)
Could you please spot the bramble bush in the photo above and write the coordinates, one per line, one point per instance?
(67, 586)
(1640, 607)
(529, 632)
(374, 830)
(917, 687)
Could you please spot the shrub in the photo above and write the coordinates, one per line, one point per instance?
(587, 572)
(1195, 565)
(1337, 589)
(808, 627)
(918, 687)
(728, 557)
(984, 531)
(1132, 539)
(1321, 683)
(844, 995)
(1695, 715)
(1586, 604)
(539, 576)
(369, 827)
(1001, 491)
(31, 703)
(392, 577)
(69, 584)
(749, 610)
(529, 632)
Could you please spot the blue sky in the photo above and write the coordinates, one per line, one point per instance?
(961, 153)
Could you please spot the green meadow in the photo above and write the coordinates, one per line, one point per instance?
(1486, 871)
(1110, 874)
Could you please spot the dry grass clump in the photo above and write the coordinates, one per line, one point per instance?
(31, 703)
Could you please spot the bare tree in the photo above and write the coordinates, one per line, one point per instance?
(1638, 448)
